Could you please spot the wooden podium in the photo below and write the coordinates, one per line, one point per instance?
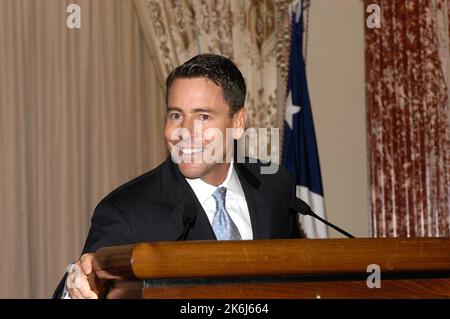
(300, 268)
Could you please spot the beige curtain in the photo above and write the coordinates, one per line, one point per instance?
(81, 111)
(243, 30)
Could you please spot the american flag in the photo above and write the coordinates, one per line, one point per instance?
(300, 155)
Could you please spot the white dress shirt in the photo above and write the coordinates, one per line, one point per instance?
(235, 202)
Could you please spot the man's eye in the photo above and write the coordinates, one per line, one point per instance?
(174, 116)
(204, 117)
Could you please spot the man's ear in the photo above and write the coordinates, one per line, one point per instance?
(239, 119)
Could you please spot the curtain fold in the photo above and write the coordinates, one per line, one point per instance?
(81, 111)
(407, 85)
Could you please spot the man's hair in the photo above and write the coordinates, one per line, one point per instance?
(220, 70)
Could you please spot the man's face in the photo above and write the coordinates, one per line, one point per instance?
(200, 101)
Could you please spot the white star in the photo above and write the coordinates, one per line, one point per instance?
(291, 109)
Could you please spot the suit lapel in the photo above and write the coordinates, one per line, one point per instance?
(258, 205)
(177, 192)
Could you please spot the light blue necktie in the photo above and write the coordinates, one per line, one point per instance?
(223, 225)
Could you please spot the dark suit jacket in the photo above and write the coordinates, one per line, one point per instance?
(150, 208)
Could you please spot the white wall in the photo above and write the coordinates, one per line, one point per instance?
(335, 69)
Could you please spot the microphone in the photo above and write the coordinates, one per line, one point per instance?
(301, 207)
(189, 217)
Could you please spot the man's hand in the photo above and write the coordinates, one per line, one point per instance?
(77, 280)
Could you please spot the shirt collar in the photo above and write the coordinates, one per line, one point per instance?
(204, 190)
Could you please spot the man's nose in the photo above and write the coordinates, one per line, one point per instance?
(188, 124)
(191, 128)
(186, 130)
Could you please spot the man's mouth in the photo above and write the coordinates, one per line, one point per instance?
(191, 150)
(195, 154)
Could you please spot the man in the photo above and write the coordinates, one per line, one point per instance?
(205, 99)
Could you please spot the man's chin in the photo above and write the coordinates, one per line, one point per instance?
(192, 170)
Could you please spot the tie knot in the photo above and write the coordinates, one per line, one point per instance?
(219, 196)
